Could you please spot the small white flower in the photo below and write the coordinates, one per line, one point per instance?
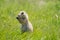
(56, 16)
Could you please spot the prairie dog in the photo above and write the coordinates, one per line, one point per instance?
(26, 24)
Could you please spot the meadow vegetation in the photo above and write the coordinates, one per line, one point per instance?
(43, 14)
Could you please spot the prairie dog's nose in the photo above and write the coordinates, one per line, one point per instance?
(16, 17)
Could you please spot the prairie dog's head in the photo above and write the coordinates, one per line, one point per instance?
(22, 17)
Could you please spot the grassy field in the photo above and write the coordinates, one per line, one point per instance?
(44, 15)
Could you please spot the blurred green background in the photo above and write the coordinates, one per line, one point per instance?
(43, 14)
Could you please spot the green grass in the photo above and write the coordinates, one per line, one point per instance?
(45, 18)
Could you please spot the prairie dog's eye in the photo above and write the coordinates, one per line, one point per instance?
(22, 13)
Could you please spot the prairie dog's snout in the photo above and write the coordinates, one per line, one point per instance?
(22, 17)
(16, 17)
